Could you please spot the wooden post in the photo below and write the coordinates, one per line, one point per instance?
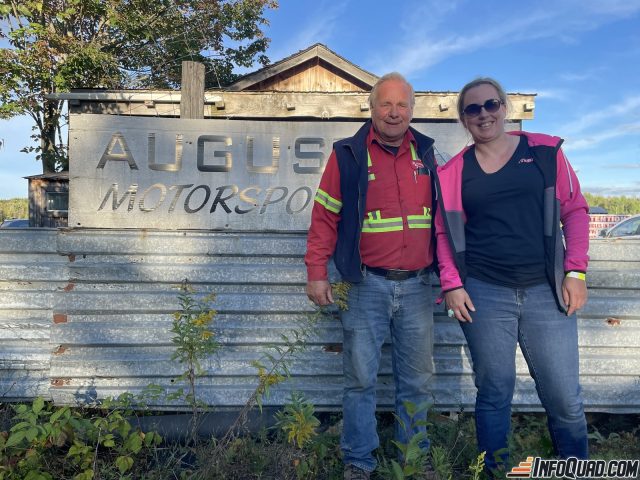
(192, 90)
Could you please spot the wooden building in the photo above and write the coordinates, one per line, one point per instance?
(315, 83)
(49, 200)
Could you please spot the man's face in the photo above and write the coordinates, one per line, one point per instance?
(392, 111)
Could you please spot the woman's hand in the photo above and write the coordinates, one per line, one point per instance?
(459, 301)
(574, 294)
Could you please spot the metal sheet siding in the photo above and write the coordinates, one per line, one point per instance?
(31, 275)
(86, 314)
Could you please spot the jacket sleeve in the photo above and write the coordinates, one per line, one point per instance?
(323, 232)
(449, 276)
(574, 215)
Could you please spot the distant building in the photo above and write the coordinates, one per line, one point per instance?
(597, 211)
(49, 200)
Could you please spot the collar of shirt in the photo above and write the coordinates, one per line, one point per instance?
(408, 137)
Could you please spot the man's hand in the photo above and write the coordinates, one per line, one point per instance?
(319, 292)
(574, 294)
(459, 301)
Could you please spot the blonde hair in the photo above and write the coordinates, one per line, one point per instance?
(481, 81)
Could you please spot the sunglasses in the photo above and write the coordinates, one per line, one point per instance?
(491, 106)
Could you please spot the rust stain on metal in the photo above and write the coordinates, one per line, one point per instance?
(60, 382)
(614, 322)
(333, 348)
(69, 287)
(59, 318)
(60, 350)
(72, 257)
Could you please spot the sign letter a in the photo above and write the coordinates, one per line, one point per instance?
(117, 150)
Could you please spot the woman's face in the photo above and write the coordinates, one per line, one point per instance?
(485, 126)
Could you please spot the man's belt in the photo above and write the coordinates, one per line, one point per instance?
(396, 275)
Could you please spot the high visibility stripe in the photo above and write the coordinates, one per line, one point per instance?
(372, 176)
(414, 155)
(420, 221)
(327, 201)
(375, 224)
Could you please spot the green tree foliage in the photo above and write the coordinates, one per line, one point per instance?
(14, 208)
(615, 205)
(58, 45)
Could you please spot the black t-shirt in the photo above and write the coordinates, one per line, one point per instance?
(504, 229)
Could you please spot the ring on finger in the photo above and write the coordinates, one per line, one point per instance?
(451, 313)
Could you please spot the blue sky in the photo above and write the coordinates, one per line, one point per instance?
(581, 57)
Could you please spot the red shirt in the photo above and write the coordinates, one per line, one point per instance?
(396, 231)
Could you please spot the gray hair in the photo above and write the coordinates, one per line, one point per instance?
(475, 83)
(385, 78)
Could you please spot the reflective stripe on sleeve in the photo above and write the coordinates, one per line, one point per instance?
(328, 202)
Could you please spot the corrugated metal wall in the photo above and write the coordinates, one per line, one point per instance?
(87, 313)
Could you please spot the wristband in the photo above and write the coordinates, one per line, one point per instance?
(578, 275)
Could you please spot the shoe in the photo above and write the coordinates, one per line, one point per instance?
(351, 472)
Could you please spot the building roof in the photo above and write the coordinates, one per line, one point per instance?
(317, 51)
(50, 176)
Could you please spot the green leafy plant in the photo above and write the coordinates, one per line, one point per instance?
(44, 437)
(273, 367)
(195, 342)
(477, 467)
(298, 421)
(412, 456)
(453, 443)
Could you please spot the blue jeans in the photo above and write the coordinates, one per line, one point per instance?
(549, 342)
(377, 307)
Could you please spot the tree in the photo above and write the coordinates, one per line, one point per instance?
(615, 205)
(59, 45)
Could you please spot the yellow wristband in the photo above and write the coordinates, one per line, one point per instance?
(578, 275)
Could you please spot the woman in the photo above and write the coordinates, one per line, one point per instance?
(505, 273)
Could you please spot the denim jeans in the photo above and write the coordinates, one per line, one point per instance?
(549, 342)
(378, 307)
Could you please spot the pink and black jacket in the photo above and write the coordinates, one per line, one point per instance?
(564, 206)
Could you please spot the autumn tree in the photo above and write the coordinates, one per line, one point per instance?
(58, 45)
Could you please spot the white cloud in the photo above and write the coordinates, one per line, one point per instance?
(587, 140)
(421, 47)
(583, 76)
(614, 8)
(319, 28)
(548, 94)
(625, 166)
(632, 190)
(618, 112)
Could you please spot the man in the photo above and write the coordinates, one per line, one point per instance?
(372, 213)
